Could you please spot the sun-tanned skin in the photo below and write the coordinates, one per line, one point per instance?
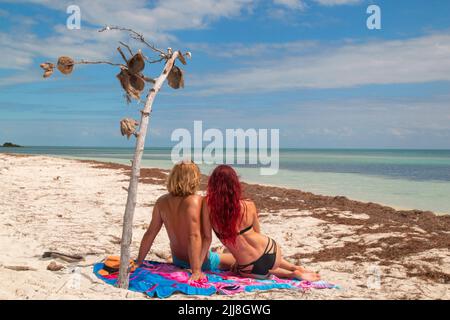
(181, 217)
(250, 245)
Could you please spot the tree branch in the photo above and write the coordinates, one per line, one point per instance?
(100, 62)
(127, 46)
(154, 61)
(143, 55)
(123, 56)
(137, 36)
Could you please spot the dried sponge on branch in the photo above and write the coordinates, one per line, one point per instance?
(132, 84)
(175, 78)
(65, 64)
(137, 82)
(136, 64)
(130, 77)
(48, 69)
(128, 127)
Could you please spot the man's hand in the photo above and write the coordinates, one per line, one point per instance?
(196, 276)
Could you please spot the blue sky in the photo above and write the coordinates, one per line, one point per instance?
(310, 68)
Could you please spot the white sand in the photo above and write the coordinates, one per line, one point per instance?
(81, 213)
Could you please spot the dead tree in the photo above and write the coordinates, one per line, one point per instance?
(133, 83)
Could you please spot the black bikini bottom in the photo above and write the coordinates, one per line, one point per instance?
(263, 264)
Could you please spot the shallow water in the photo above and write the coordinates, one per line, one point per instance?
(410, 179)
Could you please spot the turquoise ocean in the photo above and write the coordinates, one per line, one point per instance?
(406, 179)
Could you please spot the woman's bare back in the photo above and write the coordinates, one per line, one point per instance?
(250, 245)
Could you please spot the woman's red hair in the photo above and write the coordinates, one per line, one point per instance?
(223, 199)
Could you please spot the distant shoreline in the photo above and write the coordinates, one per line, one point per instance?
(11, 145)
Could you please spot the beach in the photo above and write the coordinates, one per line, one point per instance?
(76, 207)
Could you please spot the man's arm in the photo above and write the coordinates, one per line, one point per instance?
(150, 234)
(195, 241)
(206, 231)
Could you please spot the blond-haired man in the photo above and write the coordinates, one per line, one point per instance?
(180, 212)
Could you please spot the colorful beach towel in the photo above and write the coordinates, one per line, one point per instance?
(164, 279)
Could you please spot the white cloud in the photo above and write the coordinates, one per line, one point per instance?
(359, 122)
(155, 19)
(301, 4)
(291, 4)
(330, 3)
(258, 50)
(416, 60)
(20, 54)
(150, 16)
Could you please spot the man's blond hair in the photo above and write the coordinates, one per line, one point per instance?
(184, 179)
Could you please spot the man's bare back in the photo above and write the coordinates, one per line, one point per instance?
(176, 214)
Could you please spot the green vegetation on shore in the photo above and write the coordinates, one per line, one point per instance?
(11, 145)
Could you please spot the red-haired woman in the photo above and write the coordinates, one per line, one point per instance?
(235, 222)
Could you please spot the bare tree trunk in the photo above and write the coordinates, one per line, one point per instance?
(127, 231)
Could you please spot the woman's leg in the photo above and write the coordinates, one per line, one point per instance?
(285, 269)
(287, 265)
(292, 267)
(220, 249)
(227, 261)
(297, 274)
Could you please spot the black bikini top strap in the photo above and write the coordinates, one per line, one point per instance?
(240, 232)
(250, 226)
(245, 230)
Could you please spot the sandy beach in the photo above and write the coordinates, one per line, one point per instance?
(75, 207)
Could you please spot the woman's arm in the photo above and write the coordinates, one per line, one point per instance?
(150, 234)
(206, 231)
(195, 241)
